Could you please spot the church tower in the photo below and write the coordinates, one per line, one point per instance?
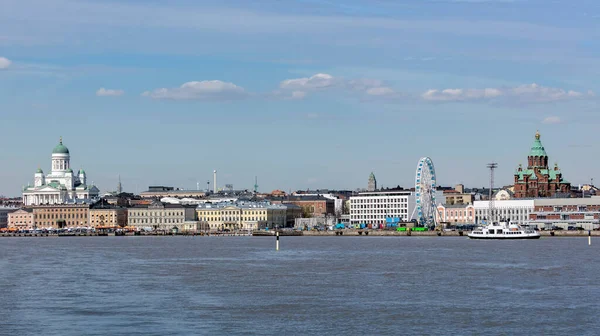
(537, 156)
(82, 177)
(372, 183)
(537, 180)
(39, 178)
(60, 158)
(119, 186)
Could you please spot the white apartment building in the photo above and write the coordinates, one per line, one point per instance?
(375, 206)
(515, 210)
(161, 216)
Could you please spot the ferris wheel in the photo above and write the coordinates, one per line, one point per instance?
(425, 188)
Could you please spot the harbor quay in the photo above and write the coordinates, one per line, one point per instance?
(392, 233)
(288, 233)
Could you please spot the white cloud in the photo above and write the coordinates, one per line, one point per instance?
(4, 63)
(552, 120)
(102, 92)
(321, 82)
(204, 90)
(530, 93)
(318, 81)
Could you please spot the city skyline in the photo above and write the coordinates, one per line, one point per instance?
(302, 94)
(203, 185)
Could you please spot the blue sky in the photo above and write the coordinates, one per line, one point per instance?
(301, 93)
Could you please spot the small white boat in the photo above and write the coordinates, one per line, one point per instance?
(503, 230)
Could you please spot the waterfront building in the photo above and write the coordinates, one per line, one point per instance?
(58, 216)
(337, 198)
(372, 185)
(517, 211)
(537, 180)
(160, 216)
(244, 216)
(61, 185)
(292, 212)
(106, 215)
(375, 207)
(566, 213)
(21, 219)
(456, 213)
(314, 223)
(312, 206)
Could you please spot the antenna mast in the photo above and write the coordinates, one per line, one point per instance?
(255, 184)
(491, 167)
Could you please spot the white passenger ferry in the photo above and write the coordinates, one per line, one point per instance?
(503, 230)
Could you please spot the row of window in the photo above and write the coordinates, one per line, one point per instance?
(155, 220)
(60, 216)
(42, 210)
(155, 213)
(69, 223)
(372, 217)
(380, 211)
(379, 200)
(378, 206)
(56, 164)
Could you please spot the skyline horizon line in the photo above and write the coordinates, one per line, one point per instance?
(214, 171)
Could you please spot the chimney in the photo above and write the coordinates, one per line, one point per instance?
(215, 181)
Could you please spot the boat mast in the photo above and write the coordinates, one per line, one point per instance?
(491, 167)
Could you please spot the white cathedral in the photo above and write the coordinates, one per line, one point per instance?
(61, 185)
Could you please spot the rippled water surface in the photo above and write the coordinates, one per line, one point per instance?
(313, 285)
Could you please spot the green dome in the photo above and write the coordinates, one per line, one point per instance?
(81, 171)
(39, 171)
(69, 170)
(60, 148)
(537, 149)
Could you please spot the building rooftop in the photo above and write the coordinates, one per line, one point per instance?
(103, 204)
(300, 198)
(448, 206)
(537, 149)
(242, 205)
(60, 148)
(384, 193)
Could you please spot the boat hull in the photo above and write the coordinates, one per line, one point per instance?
(500, 238)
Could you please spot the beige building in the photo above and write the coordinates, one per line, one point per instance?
(105, 215)
(60, 216)
(241, 216)
(21, 219)
(160, 216)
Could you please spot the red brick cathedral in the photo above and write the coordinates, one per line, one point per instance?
(538, 180)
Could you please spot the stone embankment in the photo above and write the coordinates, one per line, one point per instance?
(352, 233)
(313, 233)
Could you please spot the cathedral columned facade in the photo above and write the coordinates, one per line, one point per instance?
(61, 185)
(538, 180)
